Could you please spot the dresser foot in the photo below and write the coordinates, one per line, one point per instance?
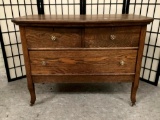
(133, 103)
(32, 101)
(133, 93)
(32, 94)
(33, 98)
(31, 104)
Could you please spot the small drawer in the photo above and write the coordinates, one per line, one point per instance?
(82, 62)
(39, 37)
(112, 37)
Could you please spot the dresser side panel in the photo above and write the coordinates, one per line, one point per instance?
(140, 54)
(26, 56)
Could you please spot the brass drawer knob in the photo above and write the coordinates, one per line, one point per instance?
(43, 63)
(53, 38)
(122, 62)
(112, 37)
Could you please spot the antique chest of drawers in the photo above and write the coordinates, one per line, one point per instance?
(82, 48)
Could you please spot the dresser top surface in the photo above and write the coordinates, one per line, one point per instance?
(82, 19)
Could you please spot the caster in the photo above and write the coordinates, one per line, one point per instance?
(133, 103)
(31, 104)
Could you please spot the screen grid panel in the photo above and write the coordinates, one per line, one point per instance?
(151, 53)
(104, 6)
(62, 7)
(11, 35)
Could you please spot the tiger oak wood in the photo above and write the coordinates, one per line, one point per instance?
(85, 49)
(83, 78)
(100, 37)
(30, 82)
(41, 37)
(87, 62)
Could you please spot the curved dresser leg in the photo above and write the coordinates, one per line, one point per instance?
(27, 65)
(133, 93)
(32, 94)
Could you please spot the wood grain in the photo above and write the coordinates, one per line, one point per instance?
(81, 79)
(124, 36)
(82, 20)
(38, 37)
(135, 83)
(30, 83)
(82, 62)
(83, 51)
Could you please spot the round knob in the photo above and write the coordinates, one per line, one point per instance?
(122, 62)
(53, 38)
(43, 63)
(112, 37)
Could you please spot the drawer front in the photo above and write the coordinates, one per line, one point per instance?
(38, 37)
(112, 37)
(83, 62)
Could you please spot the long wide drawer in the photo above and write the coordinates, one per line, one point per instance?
(94, 62)
(112, 37)
(48, 37)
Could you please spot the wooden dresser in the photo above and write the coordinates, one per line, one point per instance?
(82, 49)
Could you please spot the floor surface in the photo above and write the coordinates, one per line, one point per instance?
(110, 101)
